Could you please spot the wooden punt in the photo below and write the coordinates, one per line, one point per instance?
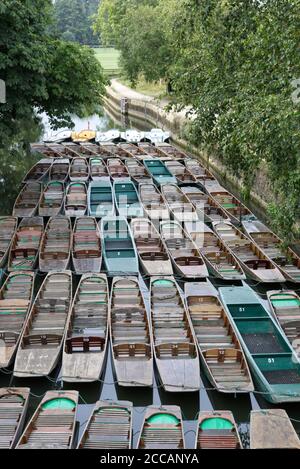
(118, 248)
(57, 149)
(39, 171)
(187, 259)
(221, 353)
(38, 148)
(109, 427)
(53, 424)
(272, 246)
(219, 260)
(181, 173)
(127, 199)
(133, 151)
(253, 261)
(86, 249)
(90, 149)
(107, 150)
(15, 300)
(151, 150)
(171, 151)
(178, 203)
(272, 361)
(198, 170)
(72, 150)
(130, 334)
(85, 135)
(52, 200)
(175, 350)
(43, 335)
(205, 206)
(76, 200)
(285, 306)
(272, 429)
(56, 245)
(98, 169)
(117, 169)
(159, 172)
(79, 170)
(60, 170)
(162, 429)
(13, 408)
(137, 171)
(234, 208)
(24, 250)
(8, 226)
(28, 200)
(121, 153)
(100, 199)
(217, 430)
(153, 255)
(153, 202)
(85, 344)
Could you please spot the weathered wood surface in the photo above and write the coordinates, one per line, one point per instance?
(272, 429)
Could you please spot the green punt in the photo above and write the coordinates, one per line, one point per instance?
(274, 365)
(159, 172)
(127, 200)
(118, 247)
(100, 199)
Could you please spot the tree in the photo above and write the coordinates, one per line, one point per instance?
(234, 65)
(41, 73)
(136, 29)
(75, 17)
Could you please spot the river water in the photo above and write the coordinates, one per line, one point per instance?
(12, 170)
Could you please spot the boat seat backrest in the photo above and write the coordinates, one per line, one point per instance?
(85, 344)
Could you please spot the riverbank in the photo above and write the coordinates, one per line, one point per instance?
(152, 111)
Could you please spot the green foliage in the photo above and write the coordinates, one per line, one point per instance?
(135, 27)
(41, 73)
(74, 19)
(234, 65)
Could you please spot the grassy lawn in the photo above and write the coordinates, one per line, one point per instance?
(109, 58)
(148, 88)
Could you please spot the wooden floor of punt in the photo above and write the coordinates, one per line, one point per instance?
(109, 428)
(15, 300)
(162, 429)
(45, 327)
(13, 405)
(130, 332)
(52, 427)
(286, 307)
(86, 340)
(217, 438)
(218, 343)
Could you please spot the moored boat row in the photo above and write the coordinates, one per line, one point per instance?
(110, 425)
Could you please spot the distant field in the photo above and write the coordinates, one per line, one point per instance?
(109, 59)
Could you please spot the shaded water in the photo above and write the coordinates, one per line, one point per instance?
(12, 170)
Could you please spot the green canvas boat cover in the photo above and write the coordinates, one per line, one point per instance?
(163, 283)
(163, 419)
(59, 403)
(216, 423)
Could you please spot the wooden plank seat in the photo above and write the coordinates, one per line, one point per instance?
(85, 344)
(108, 428)
(13, 406)
(53, 424)
(220, 439)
